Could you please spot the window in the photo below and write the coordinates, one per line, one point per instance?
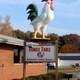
(16, 55)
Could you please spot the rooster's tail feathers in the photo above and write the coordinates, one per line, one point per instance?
(32, 11)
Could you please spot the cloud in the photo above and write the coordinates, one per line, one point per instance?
(61, 31)
(14, 1)
(67, 1)
(57, 29)
(68, 10)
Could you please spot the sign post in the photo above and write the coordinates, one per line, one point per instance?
(24, 62)
(56, 59)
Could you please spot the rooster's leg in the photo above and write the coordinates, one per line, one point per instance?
(35, 34)
(43, 36)
(43, 31)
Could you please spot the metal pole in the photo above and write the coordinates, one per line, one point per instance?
(24, 63)
(57, 59)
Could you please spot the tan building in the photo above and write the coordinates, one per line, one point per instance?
(11, 58)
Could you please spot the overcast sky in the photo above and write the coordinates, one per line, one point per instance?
(67, 15)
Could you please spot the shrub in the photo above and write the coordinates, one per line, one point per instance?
(48, 76)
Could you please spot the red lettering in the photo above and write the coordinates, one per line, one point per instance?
(34, 49)
(45, 49)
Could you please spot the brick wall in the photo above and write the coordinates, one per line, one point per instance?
(9, 70)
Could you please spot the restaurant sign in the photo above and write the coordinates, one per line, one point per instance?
(40, 53)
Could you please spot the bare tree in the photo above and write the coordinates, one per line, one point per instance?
(6, 28)
(7, 19)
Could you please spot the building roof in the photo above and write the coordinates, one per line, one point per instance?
(69, 56)
(11, 40)
(14, 41)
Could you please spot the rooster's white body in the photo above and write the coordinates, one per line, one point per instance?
(40, 23)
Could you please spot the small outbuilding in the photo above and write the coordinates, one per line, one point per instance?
(11, 60)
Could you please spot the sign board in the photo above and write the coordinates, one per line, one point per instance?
(38, 53)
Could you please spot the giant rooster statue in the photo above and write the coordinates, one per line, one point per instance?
(40, 22)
